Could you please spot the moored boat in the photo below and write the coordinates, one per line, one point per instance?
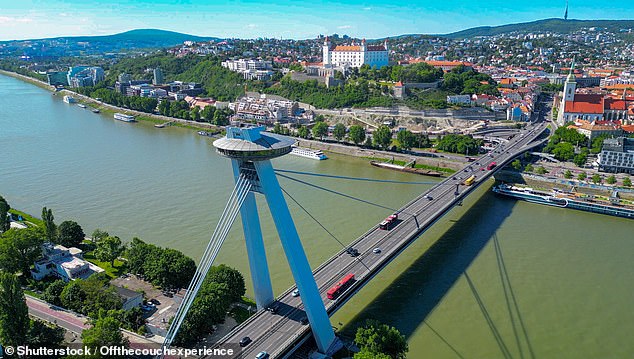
(123, 117)
(308, 153)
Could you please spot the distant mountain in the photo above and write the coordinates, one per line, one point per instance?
(553, 25)
(141, 38)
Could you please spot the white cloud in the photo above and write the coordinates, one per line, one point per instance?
(252, 26)
(344, 27)
(6, 20)
(367, 8)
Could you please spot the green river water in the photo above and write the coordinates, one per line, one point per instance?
(504, 279)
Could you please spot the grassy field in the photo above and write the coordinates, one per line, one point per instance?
(112, 272)
(27, 218)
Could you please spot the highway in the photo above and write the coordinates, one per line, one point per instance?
(278, 333)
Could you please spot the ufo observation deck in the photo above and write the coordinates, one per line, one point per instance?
(252, 144)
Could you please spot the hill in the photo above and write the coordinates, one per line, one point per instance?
(140, 38)
(553, 25)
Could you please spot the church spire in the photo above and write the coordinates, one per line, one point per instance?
(566, 13)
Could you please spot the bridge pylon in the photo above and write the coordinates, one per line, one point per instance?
(250, 151)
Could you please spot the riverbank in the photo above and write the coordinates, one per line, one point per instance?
(439, 164)
(109, 109)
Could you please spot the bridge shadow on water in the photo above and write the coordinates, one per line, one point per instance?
(413, 295)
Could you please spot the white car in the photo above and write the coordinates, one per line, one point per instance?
(376, 250)
(295, 293)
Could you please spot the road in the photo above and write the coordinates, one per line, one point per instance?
(61, 318)
(276, 333)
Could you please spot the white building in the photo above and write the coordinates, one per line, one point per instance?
(355, 55)
(64, 263)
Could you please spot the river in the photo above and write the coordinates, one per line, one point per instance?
(504, 278)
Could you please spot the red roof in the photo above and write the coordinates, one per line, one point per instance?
(347, 48)
(628, 128)
(612, 104)
(585, 103)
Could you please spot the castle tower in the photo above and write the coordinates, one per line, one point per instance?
(326, 52)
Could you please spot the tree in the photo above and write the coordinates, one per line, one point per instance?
(611, 179)
(209, 307)
(582, 176)
(73, 296)
(229, 276)
(320, 129)
(529, 168)
(406, 139)
(541, 170)
(70, 234)
(564, 151)
(137, 254)
(303, 132)
(356, 134)
(133, 319)
(596, 178)
(627, 182)
(109, 249)
(105, 332)
(19, 248)
(195, 113)
(580, 159)
(382, 137)
(49, 225)
(339, 131)
(376, 338)
(4, 218)
(14, 314)
(53, 292)
(98, 235)
(367, 354)
(43, 335)
(517, 165)
(568, 174)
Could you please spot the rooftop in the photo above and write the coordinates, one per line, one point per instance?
(252, 144)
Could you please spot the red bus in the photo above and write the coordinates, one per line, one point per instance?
(340, 287)
(389, 221)
(491, 165)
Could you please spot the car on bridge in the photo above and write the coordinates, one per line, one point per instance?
(244, 341)
(341, 287)
(262, 355)
(389, 222)
(295, 293)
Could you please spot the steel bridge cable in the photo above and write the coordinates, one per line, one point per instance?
(216, 247)
(231, 209)
(343, 194)
(322, 226)
(181, 313)
(351, 178)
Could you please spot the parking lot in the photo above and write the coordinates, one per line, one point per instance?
(158, 315)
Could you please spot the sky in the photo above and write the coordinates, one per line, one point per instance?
(296, 19)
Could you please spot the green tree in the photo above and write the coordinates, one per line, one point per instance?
(133, 319)
(582, 176)
(137, 254)
(109, 249)
(104, 332)
(406, 139)
(303, 132)
(627, 182)
(70, 234)
(229, 276)
(14, 315)
(49, 225)
(4, 218)
(367, 354)
(382, 137)
(529, 168)
(209, 307)
(596, 178)
(541, 170)
(19, 248)
(580, 159)
(568, 174)
(564, 151)
(517, 165)
(376, 338)
(339, 131)
(44, 335)
(356, 134)
(98, 235)
(195, 113)
(73, 296)
(320, 130)
(53, 292)
(611, 179)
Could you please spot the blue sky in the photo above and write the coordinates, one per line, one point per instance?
(24, 19)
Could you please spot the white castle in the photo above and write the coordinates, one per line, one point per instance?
(355, 55)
